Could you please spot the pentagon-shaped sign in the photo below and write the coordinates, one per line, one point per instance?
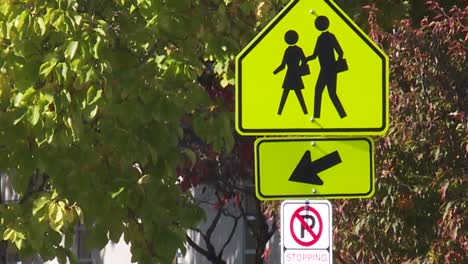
(312, 70)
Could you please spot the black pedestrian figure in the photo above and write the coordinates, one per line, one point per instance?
(325, 50)
(296, 61)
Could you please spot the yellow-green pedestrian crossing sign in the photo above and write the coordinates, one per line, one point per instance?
(288, 168)
(312, 70)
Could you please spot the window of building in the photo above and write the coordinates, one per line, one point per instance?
(82, 251)
(11, 255)
(8, 195)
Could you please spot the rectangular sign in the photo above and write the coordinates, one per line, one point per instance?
(306, 232)
(288, 168)
(304, 256)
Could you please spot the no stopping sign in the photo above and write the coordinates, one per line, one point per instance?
(306, 226)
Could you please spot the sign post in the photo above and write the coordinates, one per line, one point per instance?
(312, 72)
(306, 231)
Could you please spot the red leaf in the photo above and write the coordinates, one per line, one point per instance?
(443, 190)
(184, 185)
(266, 254)
(195, 180)
(237, 200)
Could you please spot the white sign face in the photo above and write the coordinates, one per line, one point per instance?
(306, 231)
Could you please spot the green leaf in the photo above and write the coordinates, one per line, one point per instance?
(93, 95)
(47, 67)
(100, 31)
(98, 236)
(17, 100)
(132, 8)
(19, 243)
(115, 194)
(34, 115)
(69, 216)
(77, 19)
(39, 203)
(28, 94)
(93, 112)
(91, 75)
(190, 155)
(41, 24)
(56, 216)
(144, 179)
(71, 49)
(73, 258)
(19, 22)
(79, 213)
(64, 71)
(224, 82)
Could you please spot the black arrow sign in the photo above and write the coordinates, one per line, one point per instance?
(306, 171)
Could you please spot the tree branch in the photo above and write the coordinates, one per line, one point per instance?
(274, 228)
(32, 189)
(231, 235)
(148, 244)
(214, 223)
(196, 246)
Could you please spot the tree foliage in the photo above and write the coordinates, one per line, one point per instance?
(227, 178)
(418, 214)
(88, 88)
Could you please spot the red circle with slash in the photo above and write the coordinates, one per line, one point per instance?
(315, 235)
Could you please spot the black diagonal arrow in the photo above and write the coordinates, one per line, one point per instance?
(306, 171)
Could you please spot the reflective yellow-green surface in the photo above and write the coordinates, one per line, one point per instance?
(362, 89)
(276, 159)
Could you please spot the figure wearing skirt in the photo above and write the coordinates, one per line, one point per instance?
(296, 63)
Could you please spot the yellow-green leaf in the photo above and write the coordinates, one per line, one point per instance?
(79, 213)
(55, 213)
(144, 179)
(40, 203)
(34, 115)
(47, 67)
(71, 49)
(9, 234)
(41, 24)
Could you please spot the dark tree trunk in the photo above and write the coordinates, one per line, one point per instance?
(3, 244)
(264, 232)
(3, 251)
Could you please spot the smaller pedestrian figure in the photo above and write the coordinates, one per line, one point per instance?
(296, 61)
